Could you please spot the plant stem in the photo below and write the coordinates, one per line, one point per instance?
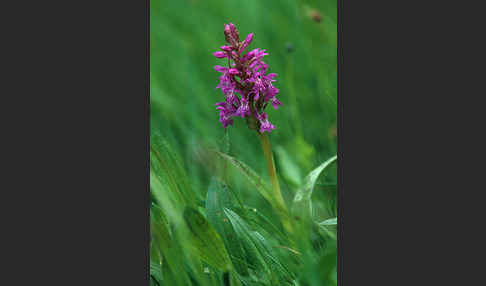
(280, 203)
(267, 150)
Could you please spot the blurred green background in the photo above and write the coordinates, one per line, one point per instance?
(301, 38)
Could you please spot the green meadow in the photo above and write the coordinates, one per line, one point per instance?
(214, 219)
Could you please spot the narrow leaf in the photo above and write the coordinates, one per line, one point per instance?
(302, 205)
(330, 221)
(259, 251)
(161, 238)
(167, 165)
(205, 241)
(305, 192)
(252, 177)
(218, 198)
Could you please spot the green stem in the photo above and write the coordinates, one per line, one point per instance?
(280, 203)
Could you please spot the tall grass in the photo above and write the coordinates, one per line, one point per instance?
(213, 214)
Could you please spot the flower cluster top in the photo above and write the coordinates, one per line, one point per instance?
(246, 76)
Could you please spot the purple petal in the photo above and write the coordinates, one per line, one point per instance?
(271, 75)
(275, 102)
(266, 127)
(226, 48)
(246, 42)
(233, 71)
(220, 54)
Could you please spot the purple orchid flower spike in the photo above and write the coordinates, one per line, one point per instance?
(245, 83)
(248, 90)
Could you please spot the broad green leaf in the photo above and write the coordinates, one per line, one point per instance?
(243, 231)
(259, 251)
(205, 242)
(279, 271)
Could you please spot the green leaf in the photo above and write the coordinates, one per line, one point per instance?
(261, 186)
(277, 268)
(328, 227)
(259, 221)
(218, 198)
(159, 228)
(243, 231)
(330, 221)
(324, 229)
(205, 242)
(161, 239)
(156, 270)
(156, 259)
(259, 251)
(167, 199)
(305, 192)
(302, 205)
(167, 166)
